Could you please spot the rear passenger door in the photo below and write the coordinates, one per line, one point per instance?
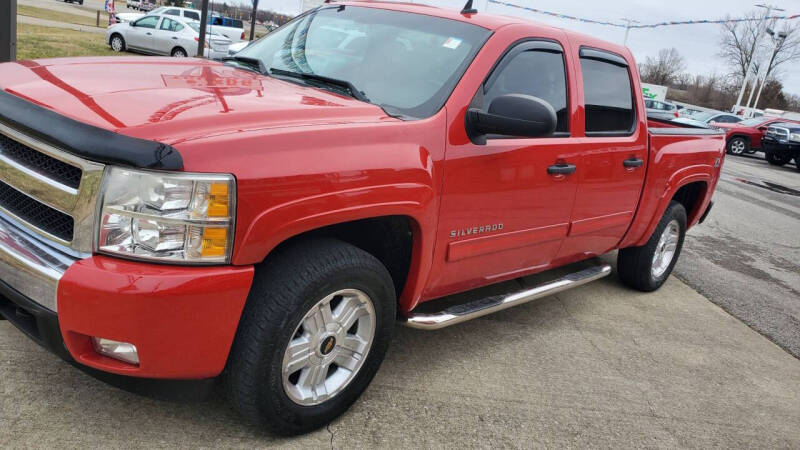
(613, 155)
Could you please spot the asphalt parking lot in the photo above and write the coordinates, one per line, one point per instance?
(746, 256)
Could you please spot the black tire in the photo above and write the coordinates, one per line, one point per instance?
(635, 264)
(776, 159)
(179, 52)
(285, 289)
(797, 163)
(738, 146)
(112, 43)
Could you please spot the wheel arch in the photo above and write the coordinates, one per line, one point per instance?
(177, 47)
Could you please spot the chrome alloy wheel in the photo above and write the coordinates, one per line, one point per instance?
(665, 250)
(116, 44)
(737, 147)
(328, 347)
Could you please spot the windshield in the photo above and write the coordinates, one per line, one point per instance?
(406, 63)
(754, 122)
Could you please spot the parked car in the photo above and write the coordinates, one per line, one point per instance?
(80, 2)
(272, 216)
(745, 136)
(661, 110)
(706, 118)
(164, 35)
(781, 143)
(133, 4)
(186, 13)
(232, 28)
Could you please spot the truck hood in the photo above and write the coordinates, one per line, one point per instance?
(173, 100)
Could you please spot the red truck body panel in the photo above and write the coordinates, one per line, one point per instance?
(305, 158)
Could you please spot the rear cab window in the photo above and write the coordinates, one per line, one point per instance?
(610, 107)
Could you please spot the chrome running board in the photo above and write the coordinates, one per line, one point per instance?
(484, 306)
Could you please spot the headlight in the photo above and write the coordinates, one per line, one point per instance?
(794, 137)
(169, 217)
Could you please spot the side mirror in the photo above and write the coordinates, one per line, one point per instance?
(133, 24)
(512, 115)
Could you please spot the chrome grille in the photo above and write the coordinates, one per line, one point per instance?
(53, 168)
(50, 193)
(35, 213)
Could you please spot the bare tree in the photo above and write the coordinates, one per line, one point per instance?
(665, 69)
(738, 44)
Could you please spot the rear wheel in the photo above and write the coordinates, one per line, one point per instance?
(738, 146)
(647, 267)
(777, 159)
(315, 329)
(178, 52)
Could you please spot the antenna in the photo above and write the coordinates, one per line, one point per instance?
(468, 9)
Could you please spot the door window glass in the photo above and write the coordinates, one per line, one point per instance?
(172, 12)
(167, 24)
(147, 22)
(537, 73)
(608, 96)
(191, 15)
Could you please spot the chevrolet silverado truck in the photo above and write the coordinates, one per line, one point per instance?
(266, 220)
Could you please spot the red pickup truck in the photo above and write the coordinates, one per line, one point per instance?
(268, 219)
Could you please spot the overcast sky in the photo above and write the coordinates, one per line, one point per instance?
(697, 43)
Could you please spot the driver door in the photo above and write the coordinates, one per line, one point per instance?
(141, 35)
(503, 213)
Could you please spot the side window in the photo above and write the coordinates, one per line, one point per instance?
(172, 12)
(536, 72)
(607, 93)
(177, 27)
(191, 15)
(166, 24)
(147, 22)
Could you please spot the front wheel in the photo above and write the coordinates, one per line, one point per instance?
(313, 334)
(117, 43)
(777, 159)
(647, 267)
(738, 146)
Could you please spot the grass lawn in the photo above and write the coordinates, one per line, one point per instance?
(34, 41)
(43, 13)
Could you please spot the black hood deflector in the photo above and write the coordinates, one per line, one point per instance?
(86, 141)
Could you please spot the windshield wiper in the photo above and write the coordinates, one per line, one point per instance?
(255, 64)
(358, 95)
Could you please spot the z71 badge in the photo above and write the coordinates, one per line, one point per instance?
(476, 230)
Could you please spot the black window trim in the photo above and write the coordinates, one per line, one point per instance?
(515, 48)
(617, 60)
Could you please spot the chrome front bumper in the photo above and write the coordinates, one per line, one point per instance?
(31, 267)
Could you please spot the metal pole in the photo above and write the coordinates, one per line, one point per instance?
(777, 42)
(628, 23)
(8, 30)
(253, 20)
(761, 30)
(203, 21)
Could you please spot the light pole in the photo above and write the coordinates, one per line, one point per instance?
(203, 24)
(628, 25)
(776, 42)
(761, 29)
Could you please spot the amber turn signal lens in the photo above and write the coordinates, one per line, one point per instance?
(218, 200)
(215, 242)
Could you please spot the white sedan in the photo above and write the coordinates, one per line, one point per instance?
(165, 35)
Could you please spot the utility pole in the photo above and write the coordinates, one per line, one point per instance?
(761, 30)
(8, 30)
(201, 42)
(628, 26)
(253, 20)
(776, 43)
